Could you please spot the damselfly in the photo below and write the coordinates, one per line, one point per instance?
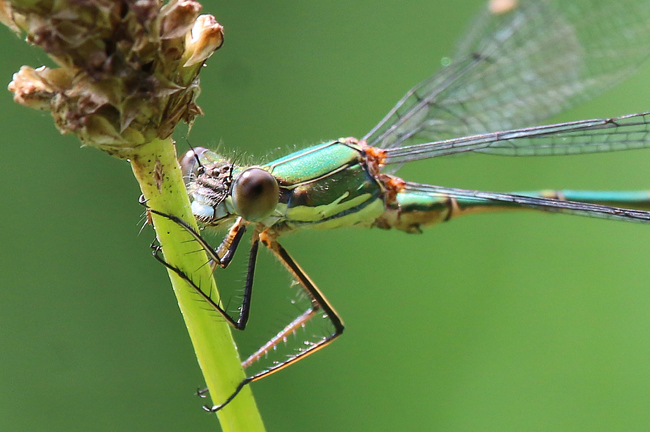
(520, 62)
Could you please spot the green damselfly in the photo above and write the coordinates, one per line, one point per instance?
(519, 63)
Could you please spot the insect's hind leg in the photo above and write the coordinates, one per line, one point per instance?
(319, 307)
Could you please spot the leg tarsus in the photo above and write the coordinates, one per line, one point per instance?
(215, 408)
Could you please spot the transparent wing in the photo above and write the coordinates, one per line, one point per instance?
(537, 203)
(519, 65)
(584, 136)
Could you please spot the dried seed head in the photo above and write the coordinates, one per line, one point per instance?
(128, 68)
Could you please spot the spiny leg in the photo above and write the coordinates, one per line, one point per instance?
(222, 256)
(225, 252)
(319, 305)
(244, 311)
(281, 336)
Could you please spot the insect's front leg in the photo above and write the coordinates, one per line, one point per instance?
(221, 256)
(224, 253)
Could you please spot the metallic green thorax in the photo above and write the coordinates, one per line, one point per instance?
(327, 186)
(321, 187)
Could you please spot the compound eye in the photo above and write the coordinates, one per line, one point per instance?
(255, 194)
(189, 162)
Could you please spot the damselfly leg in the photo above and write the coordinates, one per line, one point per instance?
(222, 257)
(319, 307)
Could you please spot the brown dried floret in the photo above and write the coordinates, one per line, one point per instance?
(128, 70)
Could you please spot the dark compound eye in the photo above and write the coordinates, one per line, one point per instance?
(190, 162)
(255, 194)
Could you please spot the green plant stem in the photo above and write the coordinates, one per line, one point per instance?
(157, 170)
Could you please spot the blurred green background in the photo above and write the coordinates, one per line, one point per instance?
(514, 322)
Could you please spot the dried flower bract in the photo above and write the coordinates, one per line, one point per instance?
(128, 70)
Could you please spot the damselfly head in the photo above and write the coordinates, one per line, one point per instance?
(220, 191)
(208, 177)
